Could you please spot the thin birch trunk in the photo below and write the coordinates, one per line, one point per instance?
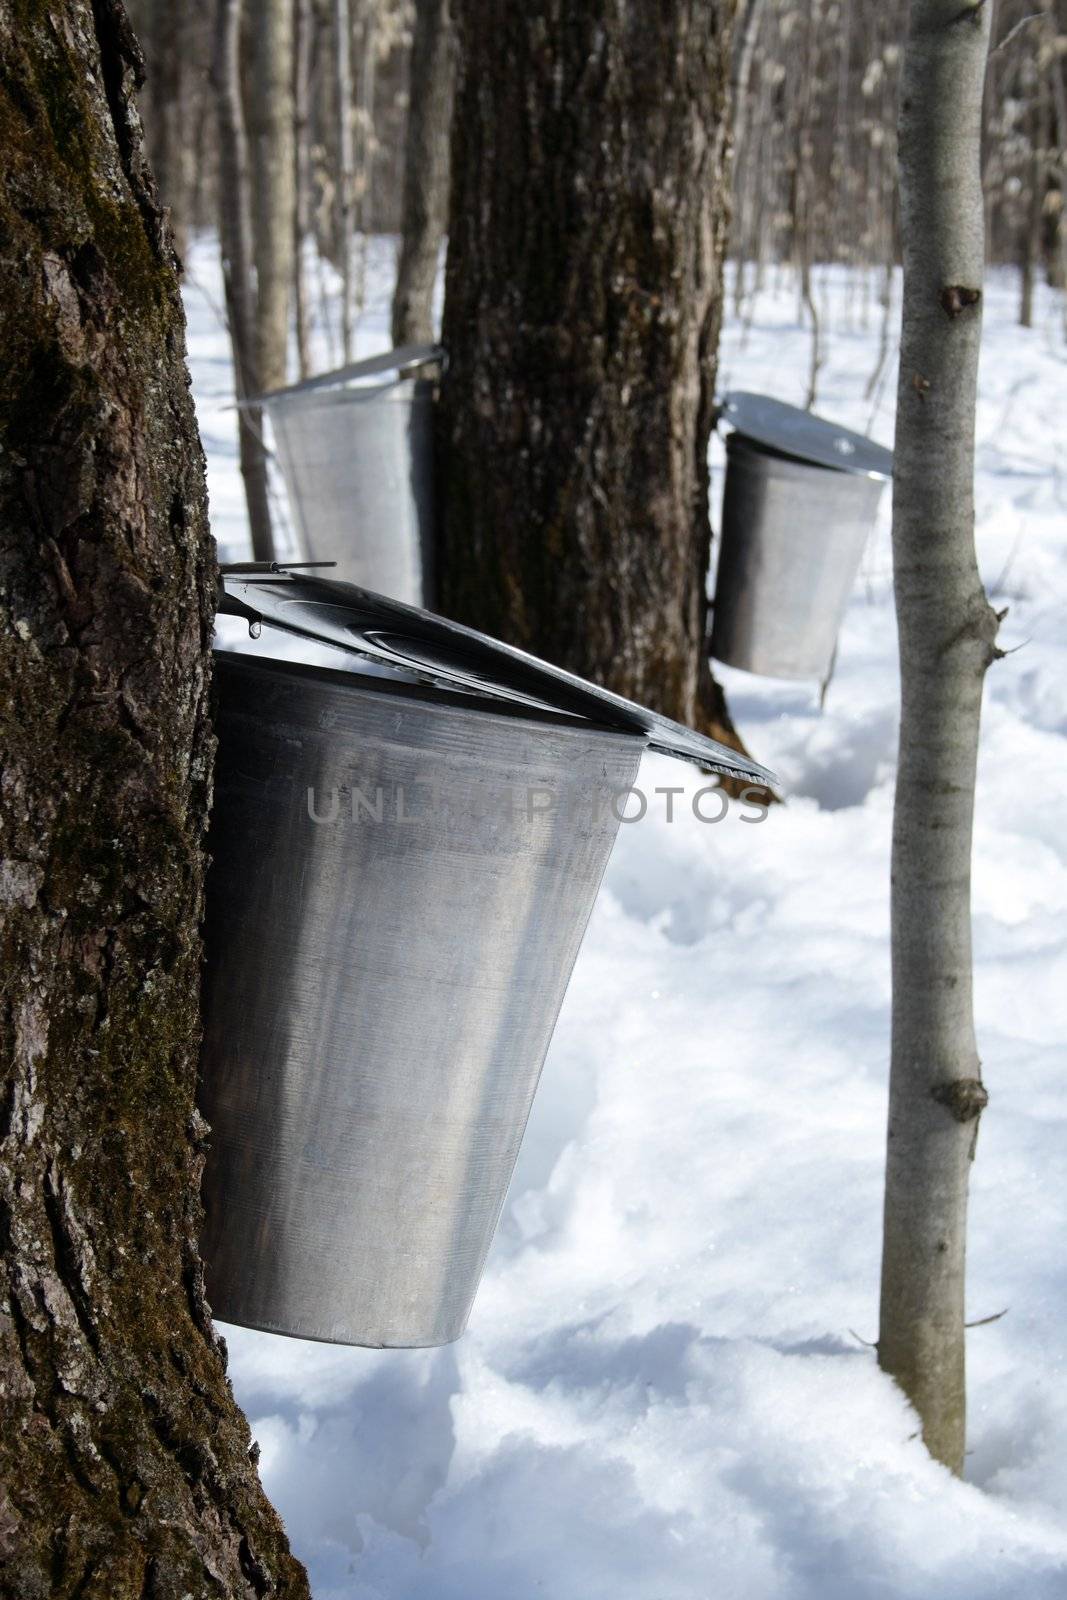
(302, 177)
(364, 144)
(274, 197)
(947, 640)
(1059, 109)
(744, 54)
(342, 53)
(235, 244)
(426, 171)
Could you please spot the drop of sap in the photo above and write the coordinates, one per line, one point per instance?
(255, 629)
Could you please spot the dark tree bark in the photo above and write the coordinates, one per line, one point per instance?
(125, 1466)
(583, 296)
(426, 171)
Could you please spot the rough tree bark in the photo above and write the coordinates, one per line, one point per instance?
(426, 171)
(947, 640)
(583, 296)
(235, 230)
(125, 1467)
(272, 124)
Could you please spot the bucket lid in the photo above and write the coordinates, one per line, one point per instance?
(407, 358)
(451, 656)
(798, 433)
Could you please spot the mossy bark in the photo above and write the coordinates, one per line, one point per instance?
(125, 1465)
(583, 297)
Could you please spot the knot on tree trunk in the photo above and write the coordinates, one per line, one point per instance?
(965, 1098)
(956, 297)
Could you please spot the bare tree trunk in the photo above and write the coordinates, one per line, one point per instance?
(583, 297)
(126, 1469)
(342, 54)
(302, 177)
(947, 640)
(744, 53)
(1031, 229)
(171, 146)
(273, 189)
(234, 241)
(1059, 111)
(426, 171)
(364, 144)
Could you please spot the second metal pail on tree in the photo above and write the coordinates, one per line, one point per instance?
(800, 501)
(358, 461)
(401, 876)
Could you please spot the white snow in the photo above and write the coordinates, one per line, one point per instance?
(664, 1393)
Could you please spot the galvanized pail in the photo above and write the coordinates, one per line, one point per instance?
(357, 458)
(399, 889)
(401, 877)
(800, 500)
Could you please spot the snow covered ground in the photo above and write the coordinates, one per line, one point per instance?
(664, 1393)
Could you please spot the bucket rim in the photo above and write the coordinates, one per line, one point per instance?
(403, 361)
(449, 655)
(398, 391)
(422, 689)
(803, 436)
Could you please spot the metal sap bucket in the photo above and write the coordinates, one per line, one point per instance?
(401, 877)
(358, 463)
(800, 500)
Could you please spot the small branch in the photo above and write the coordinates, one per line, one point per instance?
(984, 1322)
(1023, 22)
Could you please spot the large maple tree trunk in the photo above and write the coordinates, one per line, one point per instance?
(125, 1466)
(582, 304)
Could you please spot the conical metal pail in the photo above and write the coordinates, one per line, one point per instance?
(800, 500)
(358, 463)
(400, 882)
(402, 872)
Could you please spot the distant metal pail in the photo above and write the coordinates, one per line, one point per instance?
(400, 882)
(793, 533)
(358, 467)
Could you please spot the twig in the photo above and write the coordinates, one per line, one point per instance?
(1023, 22)
(983, 1321)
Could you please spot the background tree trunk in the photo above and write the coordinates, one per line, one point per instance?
(235, 245)
(125, 1465)
(583, 297)
(947, 634)
(426, 171)
(172, 147)
(345, 171)
(273, 126)
(302, 24)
